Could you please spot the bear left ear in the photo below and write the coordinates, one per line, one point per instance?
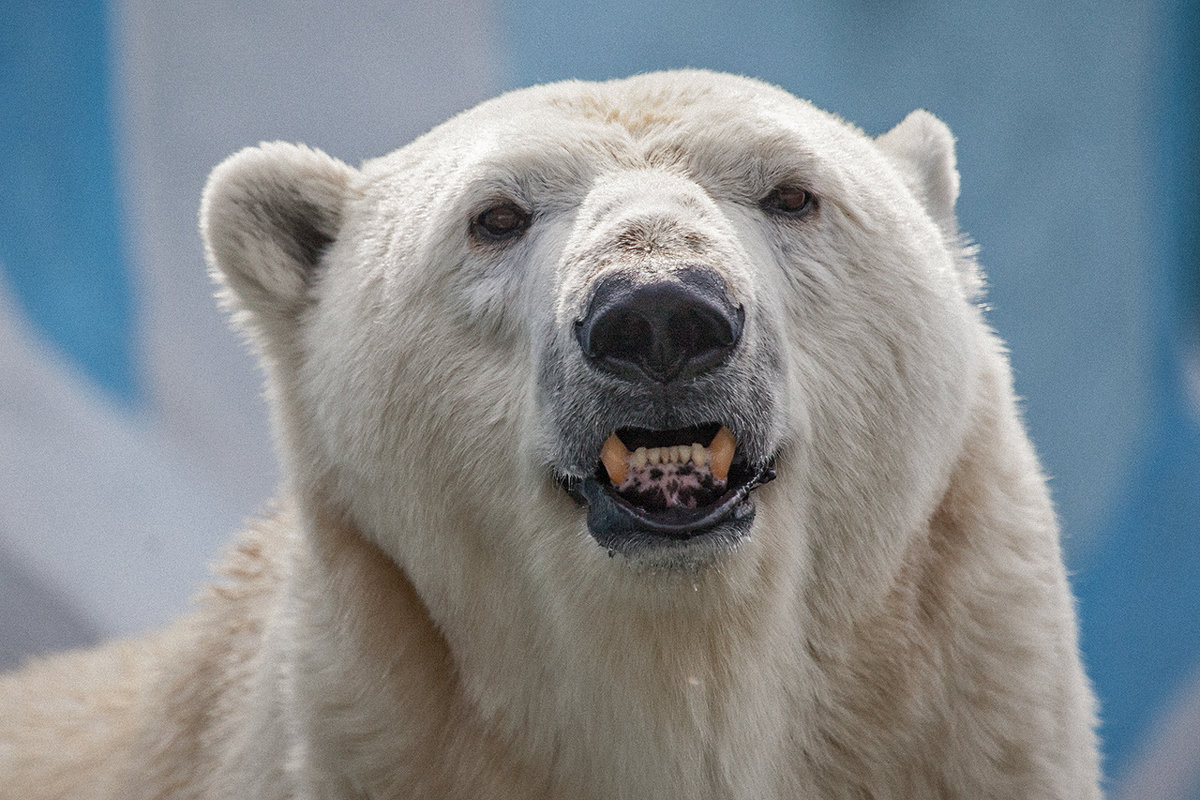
(267, 215)
(922, 148)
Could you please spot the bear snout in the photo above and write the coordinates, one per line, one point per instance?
(676, 327)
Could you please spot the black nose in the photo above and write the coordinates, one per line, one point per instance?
(668, 330)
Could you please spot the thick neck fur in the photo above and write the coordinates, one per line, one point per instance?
(669, 701)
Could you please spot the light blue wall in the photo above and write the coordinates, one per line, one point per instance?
(60, 234)
(1140, 592)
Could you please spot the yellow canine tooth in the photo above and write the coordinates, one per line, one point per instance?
(615, 457)
(721, 453)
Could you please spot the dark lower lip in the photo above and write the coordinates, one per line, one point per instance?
(619, 525)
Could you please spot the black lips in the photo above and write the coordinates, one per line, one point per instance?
(620, 525)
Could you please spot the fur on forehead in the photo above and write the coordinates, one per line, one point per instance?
(540, 141)
(652, 109)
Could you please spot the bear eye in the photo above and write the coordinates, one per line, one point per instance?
(505, 220)
(789, 200)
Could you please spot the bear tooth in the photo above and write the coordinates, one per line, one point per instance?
(699, 454)
(615, 457)
(721, 449)
(683, 453)
(638, 460)
(653, 455)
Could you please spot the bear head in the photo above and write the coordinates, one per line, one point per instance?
(583, 326)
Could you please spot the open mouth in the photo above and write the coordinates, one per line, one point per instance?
(676, 484)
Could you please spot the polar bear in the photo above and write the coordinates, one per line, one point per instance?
(642, 439)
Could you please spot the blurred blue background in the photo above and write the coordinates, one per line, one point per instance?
(132, 435)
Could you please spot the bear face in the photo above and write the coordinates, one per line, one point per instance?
(433, 331)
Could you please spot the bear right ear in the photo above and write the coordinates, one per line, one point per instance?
(922, 148)
(267, 214)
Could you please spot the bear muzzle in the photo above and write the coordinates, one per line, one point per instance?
(670, 339)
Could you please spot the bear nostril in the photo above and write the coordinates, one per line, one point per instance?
(621, 335)
(664, 331)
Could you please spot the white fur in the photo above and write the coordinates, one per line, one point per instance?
(427, 615)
